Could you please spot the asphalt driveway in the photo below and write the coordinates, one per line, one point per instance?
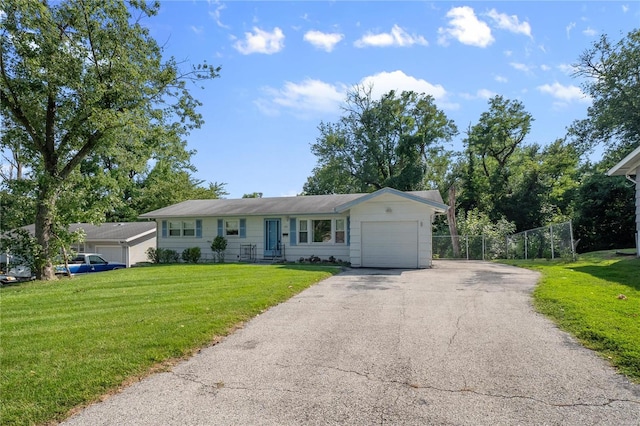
(458, 344)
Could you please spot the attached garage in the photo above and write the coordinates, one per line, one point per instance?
(390, 244)
(112, 253)
(392, 229)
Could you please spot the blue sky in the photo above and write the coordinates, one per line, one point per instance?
(286, 66)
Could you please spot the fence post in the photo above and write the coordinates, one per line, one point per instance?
(573, 248)
(466, 237)
(551, 231)
(526, 246)
(483, 246)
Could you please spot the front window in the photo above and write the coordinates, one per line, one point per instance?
(339, 231)
(321, 231)
(188, 229)
(304, 231)
(175, 229)
(231, 228)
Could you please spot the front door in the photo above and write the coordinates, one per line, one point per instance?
(272, 237)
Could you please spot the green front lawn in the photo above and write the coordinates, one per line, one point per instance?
(597, 299)
(65, 343)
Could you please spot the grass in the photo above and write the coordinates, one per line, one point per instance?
(66, 343)
(597, 299)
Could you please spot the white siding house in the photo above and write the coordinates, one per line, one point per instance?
(123, 242)
(630, 167)
(387, 228)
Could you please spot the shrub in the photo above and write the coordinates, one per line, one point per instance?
(191, 255)
(219, 245)
(153, 254)
(161, 255)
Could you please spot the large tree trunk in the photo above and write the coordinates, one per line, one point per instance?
(451, 219)
(45, 210)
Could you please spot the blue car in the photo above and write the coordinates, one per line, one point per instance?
(89, 262)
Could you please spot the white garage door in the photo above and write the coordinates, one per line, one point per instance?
(390, 244)
(111, 253)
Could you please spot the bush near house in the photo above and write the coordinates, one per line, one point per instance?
(191, 255)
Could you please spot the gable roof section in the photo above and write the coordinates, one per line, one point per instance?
(431, 198)
(111, 232)
(300, 205)
(628, 165)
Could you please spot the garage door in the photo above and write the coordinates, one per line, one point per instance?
(111, 253)
(390, 244)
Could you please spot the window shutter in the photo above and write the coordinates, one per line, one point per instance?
(164, 229)
(198, 228)
(220, 228)
(348, 230)
(292, 231)
(243, 228)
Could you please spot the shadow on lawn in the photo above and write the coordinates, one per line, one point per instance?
(623, 272)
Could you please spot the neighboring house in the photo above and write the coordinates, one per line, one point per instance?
(630, 167)
(124, 242)
(387, 228)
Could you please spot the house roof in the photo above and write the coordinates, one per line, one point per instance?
(117, 232)
(308, 204)
(628, 165)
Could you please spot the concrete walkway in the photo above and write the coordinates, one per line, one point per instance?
(458, 344)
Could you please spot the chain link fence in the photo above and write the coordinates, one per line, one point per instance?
(548, 242)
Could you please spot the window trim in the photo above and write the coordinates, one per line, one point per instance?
(227, 229)
(306, 231)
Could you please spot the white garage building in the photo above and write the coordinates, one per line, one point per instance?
(384, 229)
(629, 166)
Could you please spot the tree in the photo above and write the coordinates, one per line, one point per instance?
(494, 148)
(604, 212)
(84, 84)
(612, 80)
(253, 195)
(377, 143)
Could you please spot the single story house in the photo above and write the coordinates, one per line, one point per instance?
(124, 242)
(385, 229)
(630, 167)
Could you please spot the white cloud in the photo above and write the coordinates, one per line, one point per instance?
(565, 94)
(567, 68)
(570, 27)
(590, 32)
(197, 30)
(501, 79)
(303, 99)
(216, 14)
(397, 37)
(521, 67)
(465, 27)
(480, 94)
(510, 23)
(324, 41)
(625, 8)
(260, 41)
(384, 82)
(545, 67)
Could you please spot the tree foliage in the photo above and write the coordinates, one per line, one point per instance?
(388, 142)
(89, 100)
(610, 70)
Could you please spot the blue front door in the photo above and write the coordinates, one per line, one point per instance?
(272, 244)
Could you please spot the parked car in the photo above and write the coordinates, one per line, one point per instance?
(16, 275)
(88, 262)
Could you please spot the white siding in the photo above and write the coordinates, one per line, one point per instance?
(391, 208)
(255, 229)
